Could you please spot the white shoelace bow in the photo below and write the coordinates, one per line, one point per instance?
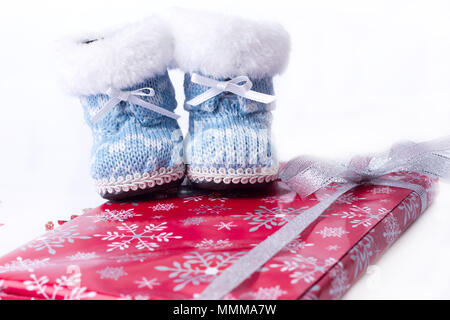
(240, 86)
(116, 96)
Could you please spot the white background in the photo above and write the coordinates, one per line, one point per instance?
(362, 75)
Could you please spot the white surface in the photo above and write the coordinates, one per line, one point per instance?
(363, 75)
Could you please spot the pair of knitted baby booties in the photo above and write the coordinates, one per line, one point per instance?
(123, 84)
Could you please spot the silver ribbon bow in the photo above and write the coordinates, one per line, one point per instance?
(240, 86)
(306, 175)
(133, 97)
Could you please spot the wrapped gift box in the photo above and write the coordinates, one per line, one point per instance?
(173, 246)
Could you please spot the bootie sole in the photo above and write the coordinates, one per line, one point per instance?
(139, 184)
(145, 193)
(230, 179)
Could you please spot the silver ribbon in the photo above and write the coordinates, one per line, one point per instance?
(306, 175)
(240, 86)
(116, 96)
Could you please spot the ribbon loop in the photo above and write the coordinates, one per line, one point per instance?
(144, 92)
(117, 95)
(306, 175)
(240, 86)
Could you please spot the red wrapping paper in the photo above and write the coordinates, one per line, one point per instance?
(172, 248)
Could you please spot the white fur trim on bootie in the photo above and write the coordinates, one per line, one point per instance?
(222, 45)
(91, 63)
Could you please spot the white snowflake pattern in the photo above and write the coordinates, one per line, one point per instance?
(130, 297)
(21, 264)
(70, 284)
(302, 268)
(115, 215)
(363, 253)
(279, 199)
(296, 245)
(340, 281)
(193, 221)
(346, 198)
(163, 207)
(145, 283)
(381, 190)
(349, 198)
(225, 225)
(207, 244)
(145, 239)
(333, 247)
(362, 216)
(271, 293)
(268, 218)
(199, 267)
(56, 238)
(112, 273)
(134, 257)
(312, 294)
(194, 199)
(83, 256)
(332, 232)
(206, 209)
(391, 229)
(411, 208)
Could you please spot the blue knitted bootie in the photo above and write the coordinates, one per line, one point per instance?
(229, 64)
(229, 136)
(128, 99)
